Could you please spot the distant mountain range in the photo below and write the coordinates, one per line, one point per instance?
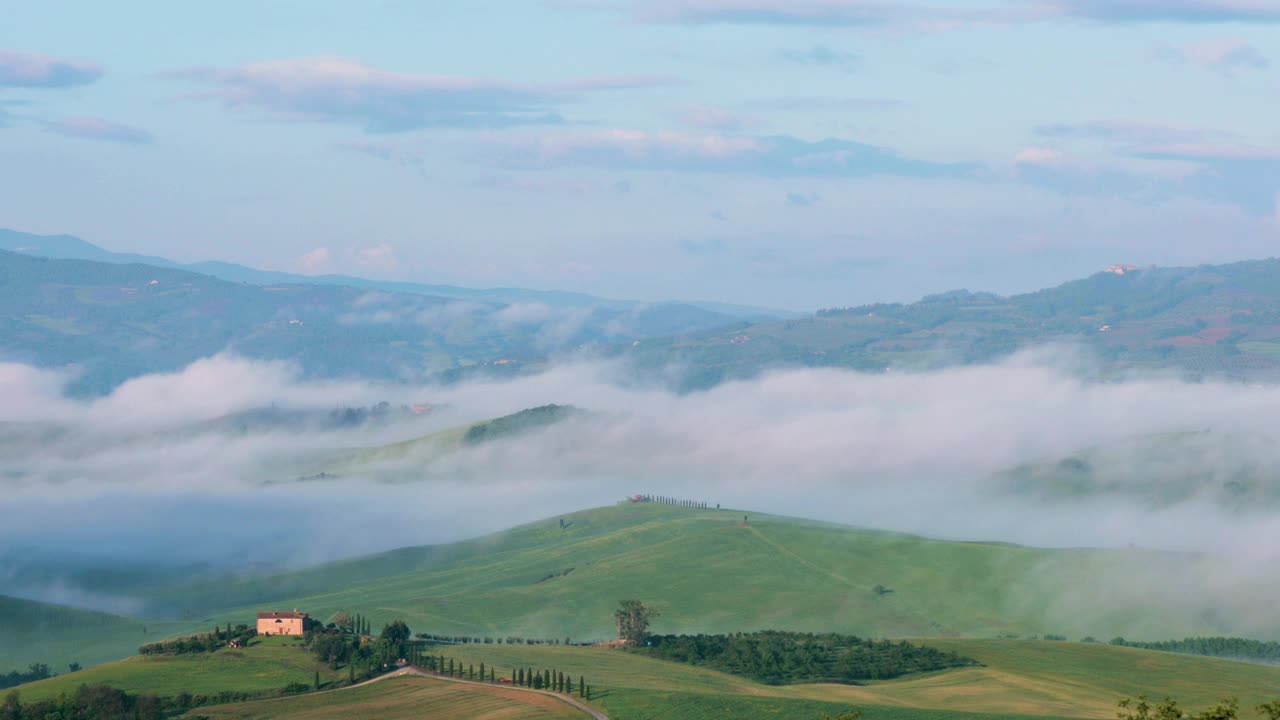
(69, 247)
(133, 315)
(117, 316)
(1208, 321)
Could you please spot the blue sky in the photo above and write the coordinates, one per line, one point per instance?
(791, 153)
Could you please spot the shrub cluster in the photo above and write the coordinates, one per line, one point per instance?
(34, 672)
(778, 658)
(207, 642)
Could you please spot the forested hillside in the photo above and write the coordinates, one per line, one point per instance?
(1210, 321)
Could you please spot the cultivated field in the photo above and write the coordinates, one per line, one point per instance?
(402, 697)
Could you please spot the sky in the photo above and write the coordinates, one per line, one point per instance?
(786, 153)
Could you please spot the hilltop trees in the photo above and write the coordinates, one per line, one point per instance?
(632, 619)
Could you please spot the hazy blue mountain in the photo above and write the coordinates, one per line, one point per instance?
(116, 321)
(1207, 321)
(74, 248)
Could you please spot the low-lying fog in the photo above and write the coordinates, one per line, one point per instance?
(167, 468)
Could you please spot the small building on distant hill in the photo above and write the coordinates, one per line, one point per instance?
(282, 623)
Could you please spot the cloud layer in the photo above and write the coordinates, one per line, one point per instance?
(337, 89)
(775, 155)
(35, 70)
(92, 128)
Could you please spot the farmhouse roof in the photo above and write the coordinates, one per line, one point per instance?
(274, 614)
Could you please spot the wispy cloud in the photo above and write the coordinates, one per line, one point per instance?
(92, 128)
(706, 117)
(35, 70)
(822, 103)
(774, 155)
(932, 15)
(1180, 11)
(343, 90)
(823, 56)
(412, 158)
(802, 200)
(1239, 175)
(1125, 132)
(787, 12)
(1222, 55)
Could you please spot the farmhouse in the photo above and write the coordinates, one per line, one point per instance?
(282, 623)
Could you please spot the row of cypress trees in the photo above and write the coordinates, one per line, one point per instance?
(661, 500)
(553, 680)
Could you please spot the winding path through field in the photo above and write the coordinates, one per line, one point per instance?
(417, 672)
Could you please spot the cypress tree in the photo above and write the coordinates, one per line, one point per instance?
(450, 666)
(493, 675)
(520, 677)
(482, 672)
(471, 672)
(582, 686)
(351, 673)
(317, 680)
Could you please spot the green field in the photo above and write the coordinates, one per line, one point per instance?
(267, 664)
(704, 571)
(400, 698)
(1018, 677)
(32, 632)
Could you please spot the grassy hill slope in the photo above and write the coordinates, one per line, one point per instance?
(37, 632)
(417, 453)
(706, 571)
(267, 664)
(1019, 677)
(400, 698)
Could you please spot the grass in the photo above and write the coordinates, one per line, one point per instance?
(400, 698)
(705, 571)
(1019, 678)
(267, 664)
(37, 632)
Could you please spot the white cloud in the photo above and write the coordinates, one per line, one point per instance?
(317, 261)
(1226, 55)
(378, 258)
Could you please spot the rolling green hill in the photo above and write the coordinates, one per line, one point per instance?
(417, 453)
(1017, 679)
(706, 571)
(32, 632)
(267, 664)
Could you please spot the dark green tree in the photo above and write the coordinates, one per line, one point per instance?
(582, 686)
(316, 683)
